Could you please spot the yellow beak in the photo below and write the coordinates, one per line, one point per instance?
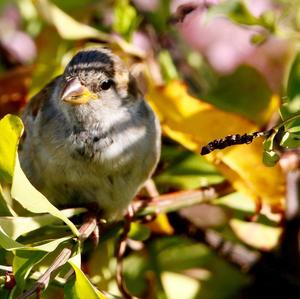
(75, 93)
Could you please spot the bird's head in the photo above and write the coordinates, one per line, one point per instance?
(97, 75)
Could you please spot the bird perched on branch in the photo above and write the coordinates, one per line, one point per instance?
(90, 135)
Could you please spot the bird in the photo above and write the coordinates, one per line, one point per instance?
(90, 139)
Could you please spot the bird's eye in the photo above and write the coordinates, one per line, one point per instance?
(107, 84)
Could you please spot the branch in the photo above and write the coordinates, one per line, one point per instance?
(177, 200)
(62, 258)
(236, 254)
(159, 204)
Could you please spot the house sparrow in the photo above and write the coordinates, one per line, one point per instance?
(90, 135)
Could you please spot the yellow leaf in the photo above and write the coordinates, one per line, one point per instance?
(194, 123)
(161, 225)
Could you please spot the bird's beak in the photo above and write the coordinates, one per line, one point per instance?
(75, 93)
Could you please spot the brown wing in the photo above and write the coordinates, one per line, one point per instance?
(35, 105)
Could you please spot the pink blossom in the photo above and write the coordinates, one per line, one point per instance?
(142, 41)
(20, 46)
(227, 45)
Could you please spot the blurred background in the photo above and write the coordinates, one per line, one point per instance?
(209, 69)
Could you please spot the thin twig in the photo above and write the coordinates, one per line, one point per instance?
(120, 252)
(62, 258)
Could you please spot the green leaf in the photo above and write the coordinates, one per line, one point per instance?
(290, 140)
(293, 85)
(11, 128)
(290, 108)
(81, 288)
(27, 257)
(47, 246)
(34, 201)
(270, 158)
(5, 209)
(126, 19)
(292, 100)
(139, 232)
(23, 263)
(269, 143)
(295, 129)
(71, 5)
(17, 226)
(258, 39)
(160, 16)
(167, 66)
(236, 10)
(238, 202)
(7, 242)
(233, 97)
(185, 170)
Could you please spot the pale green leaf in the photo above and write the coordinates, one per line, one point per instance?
(67, 27)
(294, 129)
(70, 29)
(11, 128)
(258, 235)
(17, 226)
(32, 200)
(7, 242)
(76, 259)
(178, 286)
(168, 68)
(82, 287)
(48, 246)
